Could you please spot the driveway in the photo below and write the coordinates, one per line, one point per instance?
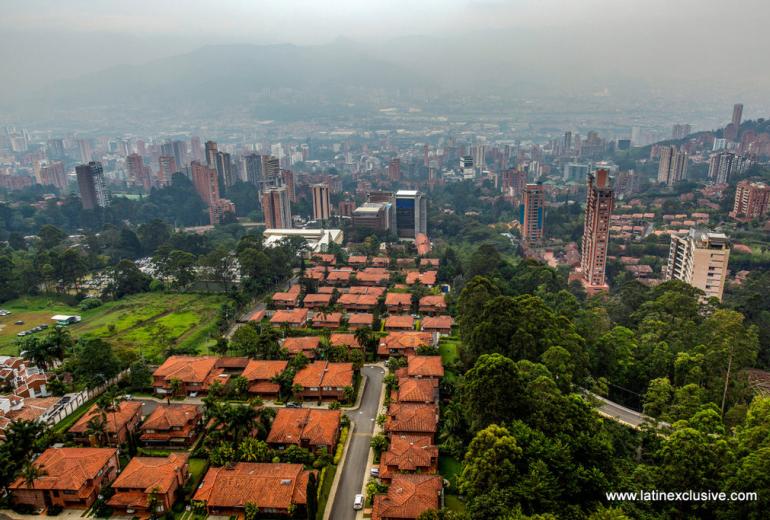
(354, 466)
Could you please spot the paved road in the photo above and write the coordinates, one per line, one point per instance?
(354, 466)
(622, 414)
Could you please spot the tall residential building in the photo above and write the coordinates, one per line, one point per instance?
(166, 168)
(466, 167)
(179, 151)
(288, 180)
(752, 200)
(85, 151)
(596, 230)
(54, 149)
(411, 213)
(724, 165)
(211, 154)
(575, 172)
(737, 114)
(224, 171)
(252, 165)
(681, 131)
(394, 169)
(271, 167)
(219, 210)
(321, 207)
(276, 208)
(205, 181)
(532, 213)
(700, 259)
(93, 190)
(52, 174)
(673, 166)
(196, 151)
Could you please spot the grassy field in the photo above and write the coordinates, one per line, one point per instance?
(132, 323)
(449, 468)
(448, 350)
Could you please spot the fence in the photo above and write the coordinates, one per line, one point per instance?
(78, 399)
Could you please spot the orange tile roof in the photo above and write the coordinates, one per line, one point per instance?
(369, 300)
(412, 418)
(151, 473)
(315, 427)
(360, 318)
(362, 289)
(429, 262)
(406, 339)
(381, 260)
(116, 420)
(261, 369)
(285, 297)
(257, 315)
(416, 390)
(338, 276)
(437, 322)
(188, 369)
(295, 345)
(425, 366)
(345, 339)
(322, 299)
(326, 289)
(323, 373)
(327, 318)
(364, 276)
(68, 468)
(398, 299)
(399, 322)
(426, 278)
(357, 259)
(409, 453)
(433, 301)
(168, 416)
(32, 408)
(327, 258)
(408, 496)
(293, 317)
(268, 486)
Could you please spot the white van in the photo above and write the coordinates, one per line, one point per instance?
(358, 502)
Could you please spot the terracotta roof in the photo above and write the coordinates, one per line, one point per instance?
(426, 278)
(398, 299)
(115, 420)
(412, 418)
(360, 318)
(425, 366)
(148, 473)
(429, 262)
(294, 316)
(326, 289)
(68, 468)
(437, 322)
(369, 300)
(433, 301)
(399, 322)
(408, 496)
(364, 276)
(361, 289)
(322, 299)
(409, 453)
(316, 427)
(32, 408)
(257, 315)
(168, 416)
(269, 486)
(346, 339)
(381, 260)
(416, 390)
(357, 259)
(338, 275)
(295, 345)
(325, 257)
(326, 318)
(188, 369)
(405, 340)
(285, 297)
(261, 369)
(323, 373)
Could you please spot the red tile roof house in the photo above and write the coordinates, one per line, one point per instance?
(305, 427)
(408, 496)
(357, 260)
(359, 320)
(428, 367)
(315, 301)
(74, 477)
(260, 374)
(305, 345)
(405, 343)
(372, 277)
(285, 300)
(296, 318)
(358, 302)
(409, 454)
(429, 262)
(344, 339)
(171, 425)
(399, 322)
(274, 488)
(415, 391)
(143, 476)
(196, 374)
(316, 273)
(397, 303)
(118, 425)
(362, 289)
(428, 278)
(326, 289)
(324, 380)
(437, 324)
(432, 305)
(412, 419)
(325, 259)
(380, 261)
(331, 320)
(339, 277)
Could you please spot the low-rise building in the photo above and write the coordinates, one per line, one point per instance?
(116, 424)
(359, 320)
(295, 318)
(415, 391)
(405, 343)
(324, 380)
(171, 425)
(357, 302)
(399, 322)
(408, 454)
(397, 303)
(260, 374)
(432, 304)
(412, 419)
(408, 496)
(428, 367)
(327, 320)
(305, 345)
(316, 301)
(143, 477)
(307, 428)
(194, 373)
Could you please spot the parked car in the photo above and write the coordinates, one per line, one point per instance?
(20, 322)
(375, 471)
(358, 502)
(293, 405)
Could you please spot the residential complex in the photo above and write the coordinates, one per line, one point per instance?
(700, 259)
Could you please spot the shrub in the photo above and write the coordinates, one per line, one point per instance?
(54, 510)
(89, 303)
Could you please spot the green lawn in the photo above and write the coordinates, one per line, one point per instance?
(449, 468)
(131, 323)
(453, 503)
(448, 349)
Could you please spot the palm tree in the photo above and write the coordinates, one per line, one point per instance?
(97, 430)
(31, 472)
(175, 385)
(240, 421)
